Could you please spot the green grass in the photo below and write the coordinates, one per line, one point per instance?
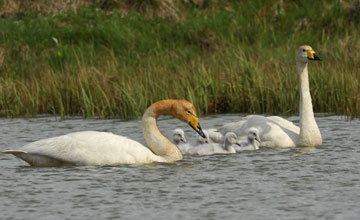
(223, 57)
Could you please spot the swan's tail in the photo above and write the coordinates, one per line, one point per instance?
(37, 159)
(14, 152)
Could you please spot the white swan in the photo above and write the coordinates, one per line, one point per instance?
(251, 142)
(103, 148)
(213, 148)
(278, 132)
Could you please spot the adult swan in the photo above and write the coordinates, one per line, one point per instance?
(103, 148)
(278, 132)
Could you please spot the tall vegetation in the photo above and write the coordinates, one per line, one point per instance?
(224, 56)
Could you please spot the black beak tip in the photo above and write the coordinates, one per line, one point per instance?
(199, 130)
(201, 133)
(317, 58)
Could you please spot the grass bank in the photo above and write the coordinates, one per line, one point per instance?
(224, 56)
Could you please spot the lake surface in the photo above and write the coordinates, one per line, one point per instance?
(322, 183)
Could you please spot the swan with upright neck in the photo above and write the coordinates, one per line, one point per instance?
(104, 148)
(278, 132)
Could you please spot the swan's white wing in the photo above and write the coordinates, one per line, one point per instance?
(92, 148)
(231, 127)
(284, 123)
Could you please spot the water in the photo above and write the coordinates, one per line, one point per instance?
(322, 183)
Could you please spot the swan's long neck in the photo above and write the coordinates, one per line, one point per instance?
(156, 141)
(309, 132)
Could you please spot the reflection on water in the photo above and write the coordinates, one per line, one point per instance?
(321, 183)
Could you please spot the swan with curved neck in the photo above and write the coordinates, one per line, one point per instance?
(278, 132)
(104, 148)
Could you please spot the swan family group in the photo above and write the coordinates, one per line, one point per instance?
(227, 144)
(249, 133)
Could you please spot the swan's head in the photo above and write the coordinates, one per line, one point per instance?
(202, 140)
(185, 111)
(179, 136)
(253, 134)
(230, 139)
(306, 53)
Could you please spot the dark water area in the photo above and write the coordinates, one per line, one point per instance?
(321, 183)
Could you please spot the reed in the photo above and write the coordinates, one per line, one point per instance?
(232, 57)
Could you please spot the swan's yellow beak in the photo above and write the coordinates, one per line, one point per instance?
(311, 55)
(194, 123)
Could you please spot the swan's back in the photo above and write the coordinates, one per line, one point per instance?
(286, 124)
(231, 127)
(87, 148)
